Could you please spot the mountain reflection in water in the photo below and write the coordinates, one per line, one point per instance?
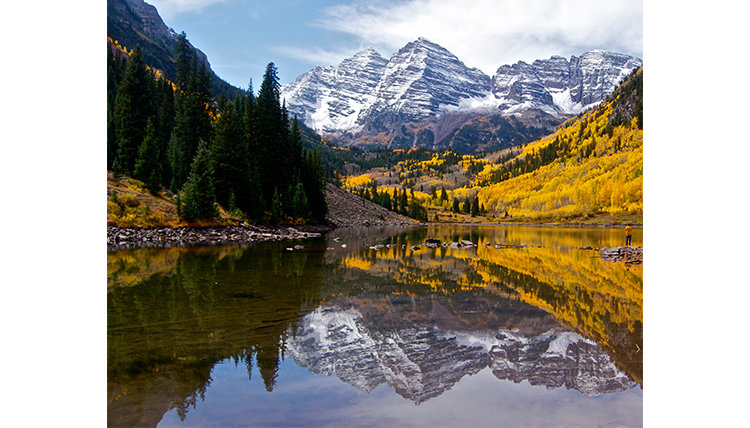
(415, 320)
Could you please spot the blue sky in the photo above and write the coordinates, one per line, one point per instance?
(241, 36)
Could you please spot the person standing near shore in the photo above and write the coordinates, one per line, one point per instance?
(628, 235)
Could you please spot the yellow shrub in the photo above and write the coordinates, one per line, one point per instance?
(128, 200)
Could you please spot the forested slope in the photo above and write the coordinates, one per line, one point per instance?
(593, 163)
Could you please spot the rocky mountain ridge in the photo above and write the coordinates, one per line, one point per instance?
(422, 362)
(423, 93)
(136, 23)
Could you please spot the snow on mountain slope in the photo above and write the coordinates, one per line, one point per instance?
(422, 81)
(420, 362)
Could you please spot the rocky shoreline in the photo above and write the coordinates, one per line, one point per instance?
(119, 238)
(345, 210)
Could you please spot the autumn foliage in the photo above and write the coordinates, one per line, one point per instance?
(596, 165)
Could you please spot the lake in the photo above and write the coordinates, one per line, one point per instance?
(526, 328)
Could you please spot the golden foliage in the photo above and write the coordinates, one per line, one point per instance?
(363, 180)
(610, 179)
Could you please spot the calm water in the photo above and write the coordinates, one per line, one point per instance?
(357, 329)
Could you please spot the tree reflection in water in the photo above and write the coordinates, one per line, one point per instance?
(431, 315)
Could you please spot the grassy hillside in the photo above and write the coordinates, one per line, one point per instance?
(130, 204)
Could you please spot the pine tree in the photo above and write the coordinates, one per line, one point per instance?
(185, 62)
(295, 146)
(275, 207)
(230, 155)
(443, 195)
(199, 189)
(116, 66)
(313, 179)
(134, 106)
(193, 109)
(301, 207)
(475, 207)
(404, 203)
(165, 124)
(270, 135)
(385, 201)
(148, 167)
(466, 205)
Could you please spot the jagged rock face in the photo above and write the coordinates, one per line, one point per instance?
(368, 91)
(135, 22)
(420, 362)
(423, 83)
(331, 99)
(557, 359)
(152, 23)
(558, 86)
(422, 78)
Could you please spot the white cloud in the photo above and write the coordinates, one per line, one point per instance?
(490, 33)
(317, 55)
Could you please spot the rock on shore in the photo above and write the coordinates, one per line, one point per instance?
(344, 209)
(630, 255)
(119, 238)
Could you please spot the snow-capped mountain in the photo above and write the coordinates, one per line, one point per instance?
(420, 362)
(425, 87)
(331, 99)
(367, 90)
(558, 86)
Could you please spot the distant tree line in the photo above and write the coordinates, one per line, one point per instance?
(395, 200)
(244, 154)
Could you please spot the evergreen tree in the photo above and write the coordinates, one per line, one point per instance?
(275, 206)
(466, 207)
(313, 180)
(116, 66)
(404, 203)
(174, 159)
(256, 204)
(295, 146)
(199, 189)
(417, 211)
(385, 201)
(134, 106)
(475, 207)
(443, 195)
(185, 62)
(193, 109)
(301, 207)
(270, 136)
(165, 124)
(148, 167)
(256, 207)
(230, 155)
(455, 208)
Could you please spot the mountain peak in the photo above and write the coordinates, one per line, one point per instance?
(424, 89)
(423, 43)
